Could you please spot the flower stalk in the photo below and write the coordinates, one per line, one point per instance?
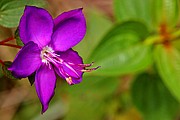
(3, 43)
(6, 40)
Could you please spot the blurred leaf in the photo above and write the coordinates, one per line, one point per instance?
(1, 71)
(31, 110)
(140, 10)
(151, 12)
(85, 110)
(94, 87)
(97, 26)
(153, 99)
(165, 11)
(168, 63)
(27, 110)
(54, 112)
(11, 10)
(6, 72)
(89, 97)
(17, 37)
(122, 50)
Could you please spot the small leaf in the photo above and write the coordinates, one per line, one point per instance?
(12, 10)
(168, 64)
(17, 37)
(31, 79)
(1, 71)
(6, 72)
(122, 50)
(153, 99)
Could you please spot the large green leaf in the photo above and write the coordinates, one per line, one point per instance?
(165, 12)
(11, 11)
(151, 12)
(153, 99)
(133, 10)
(97, 26)
(122, 51)
(168, 63)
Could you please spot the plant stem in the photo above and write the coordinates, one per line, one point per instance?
(10, 45)
(1, 62)
(6, 40)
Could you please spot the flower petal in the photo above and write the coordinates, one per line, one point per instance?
(70, 28)
(70, 56)
(45, 83)
(36, 25)
(27, 61)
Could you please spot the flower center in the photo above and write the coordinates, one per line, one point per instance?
(45, 52)
(66, 69)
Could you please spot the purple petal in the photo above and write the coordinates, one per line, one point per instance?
(27, 61)
(69, 30)
(36, 25)
(45, 83)
(71, 56)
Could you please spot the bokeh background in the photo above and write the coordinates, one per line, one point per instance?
(128, 86)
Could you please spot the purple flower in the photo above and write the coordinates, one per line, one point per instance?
(47, 50)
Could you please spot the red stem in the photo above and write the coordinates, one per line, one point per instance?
(6, 40)
(1, 62)
(11, 45)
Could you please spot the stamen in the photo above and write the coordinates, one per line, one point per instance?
(67, 70)
(69, 80)
(86, 65)
(71, 69)
(82, 65)
(89, 70)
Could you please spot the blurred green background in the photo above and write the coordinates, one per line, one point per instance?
(136, 43)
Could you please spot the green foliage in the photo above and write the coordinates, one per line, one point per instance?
(11, 11)
(151, 12)
(31, 79)
(6, 72)
(140, 10)
(142, 34)
(153, 99)
(97, 25)
(168, 63)
(1, 71)
(17, 37)
(122, 50)
(90, 96)
(165, 11)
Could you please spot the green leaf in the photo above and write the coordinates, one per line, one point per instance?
(153, 99)
(1, 71)
(97, 26)
(31, 78)
(165, 12)
(12, 10)
(122, 50)
(168, 62)
(126, 10)
(96, 87)
(89, 97)
(6, 72)
(17, 37)
(151, 12)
